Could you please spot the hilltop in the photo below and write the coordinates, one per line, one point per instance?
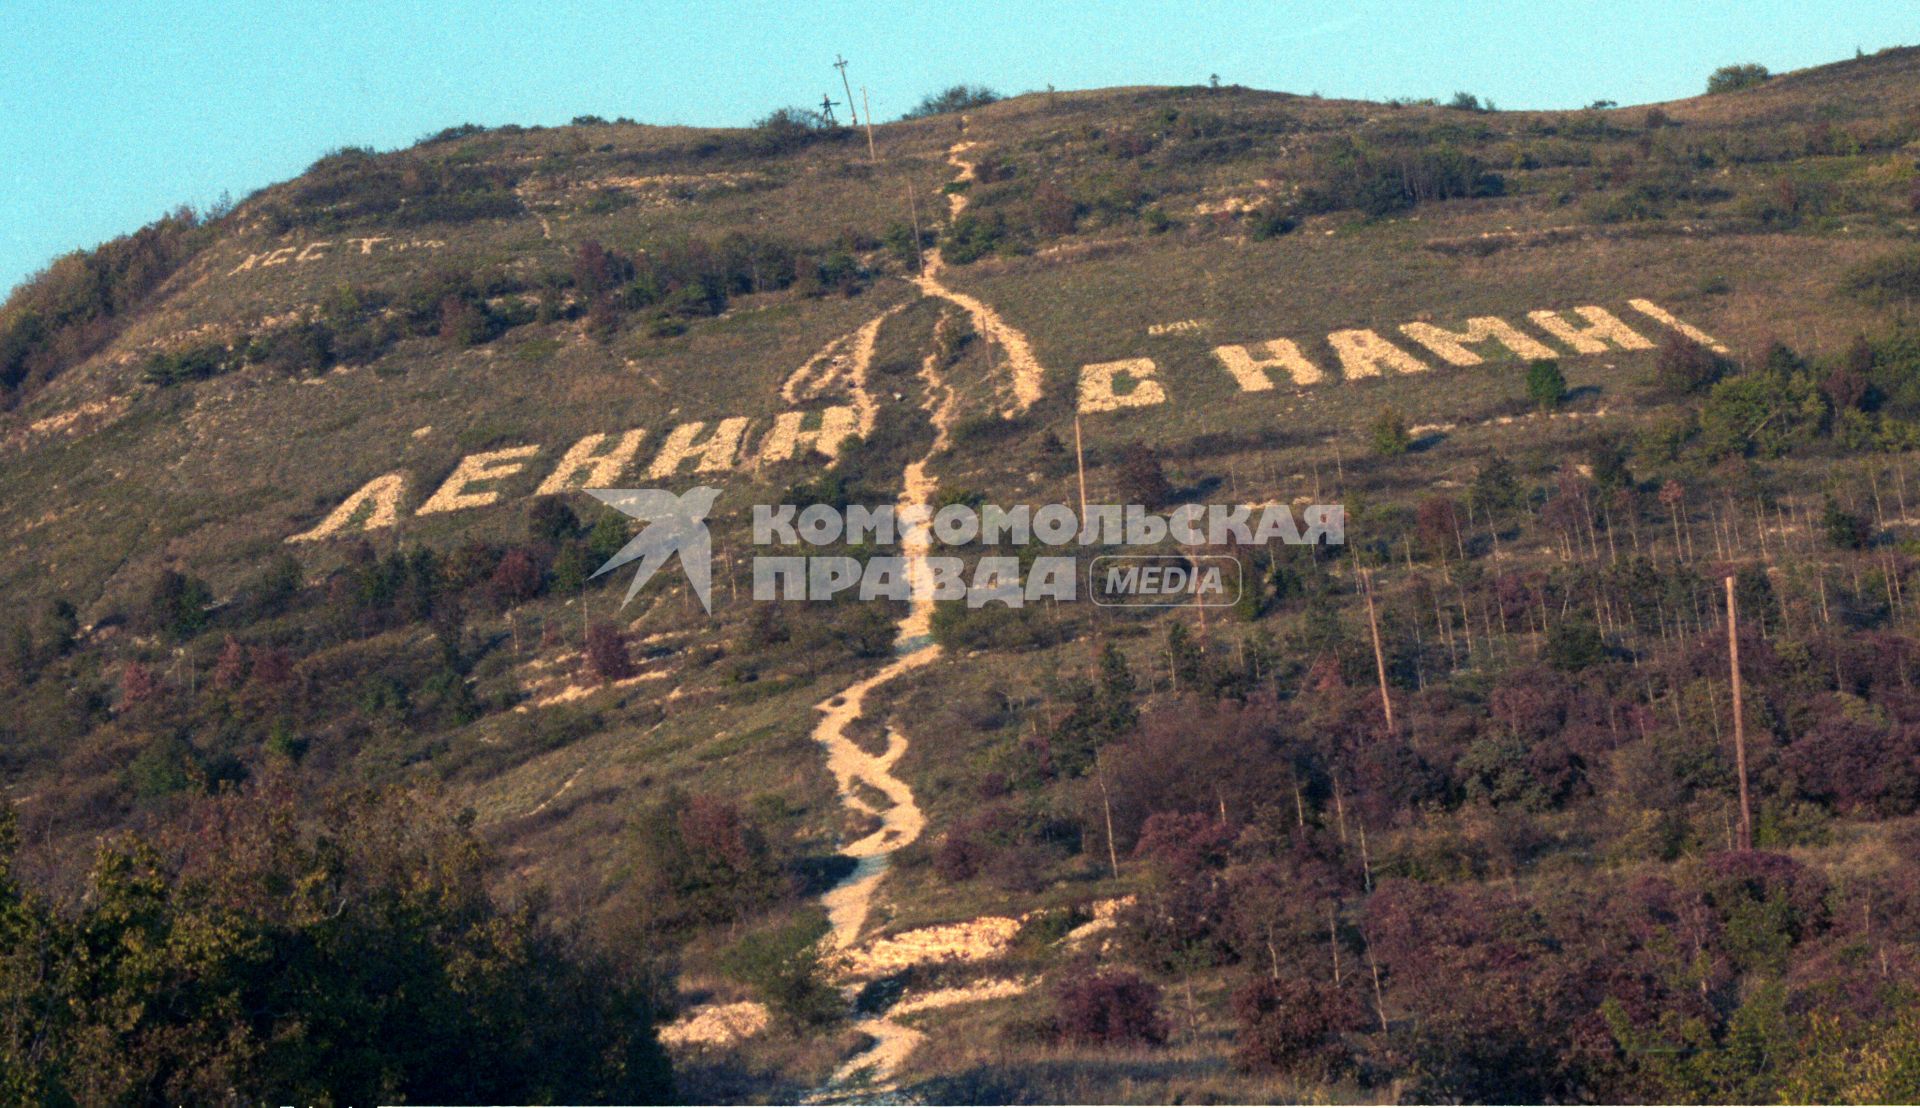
(295, 497)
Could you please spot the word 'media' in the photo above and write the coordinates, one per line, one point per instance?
(1363, 353)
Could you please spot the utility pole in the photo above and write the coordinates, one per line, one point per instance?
(1739, 728)
(866, 110)
(840, 64)
(826, 109)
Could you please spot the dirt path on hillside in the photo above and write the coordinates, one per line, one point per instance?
(1026, 375)
(859, 774)
(901, 822)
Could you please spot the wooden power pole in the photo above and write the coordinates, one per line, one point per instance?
(840, 64)
(1739, 728)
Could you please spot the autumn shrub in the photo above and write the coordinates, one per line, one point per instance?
(607, 653)
(1108, 1008)
(1296, 1025)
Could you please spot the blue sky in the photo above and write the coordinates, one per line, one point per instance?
(111, 114)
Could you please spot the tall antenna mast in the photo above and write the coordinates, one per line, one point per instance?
(840, 63)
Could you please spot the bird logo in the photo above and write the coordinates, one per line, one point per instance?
(674, 524)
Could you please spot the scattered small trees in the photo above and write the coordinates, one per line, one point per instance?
(344, 945)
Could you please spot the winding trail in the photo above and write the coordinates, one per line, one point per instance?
(871, 1072)
(858, 774)
(849, 902)
(1028, 376)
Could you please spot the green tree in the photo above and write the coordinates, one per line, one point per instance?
(177, 605)
(1388, 433)
(302, 947)
(1546, 385)
(1496, 488)
(783, 964)
(1843, 529)
(1575, 644)
(1765, 412)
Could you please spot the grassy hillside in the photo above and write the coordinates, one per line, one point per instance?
(1525, 886)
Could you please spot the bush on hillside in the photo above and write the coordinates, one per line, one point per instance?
(1384, 179)
(1388, 433)
(1733, 78)
(1109, 1008)
(957, 98)
(784, 965)
(1888, 279)
(784, 130)
(1546, 385)
(607, 653)
(1686, 367)
(1295, 1025)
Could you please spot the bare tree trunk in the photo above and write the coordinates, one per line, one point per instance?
(1333, 943)
(1379, 1003)
(1379, 657)
(1739, 729)
(1106, 809)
